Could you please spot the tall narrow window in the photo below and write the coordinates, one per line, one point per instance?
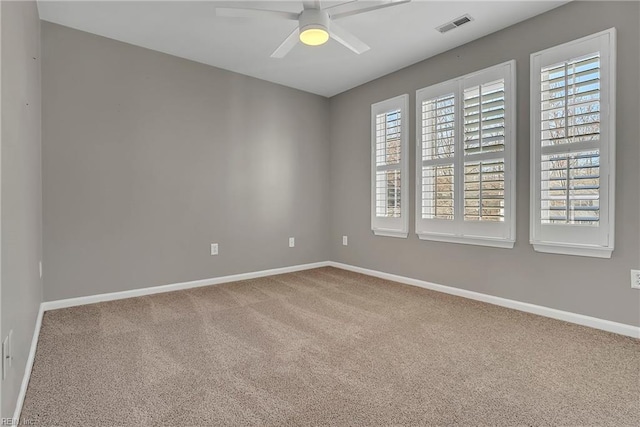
(389, 160)
(466, 159)
(572, 147)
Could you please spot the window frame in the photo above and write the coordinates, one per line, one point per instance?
(458, 230)
(570, 239)
(392, 227)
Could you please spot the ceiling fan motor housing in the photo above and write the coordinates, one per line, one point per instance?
(314, 18)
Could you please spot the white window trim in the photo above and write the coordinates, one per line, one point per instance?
(509, 160)
(392, 227)
(607, 41)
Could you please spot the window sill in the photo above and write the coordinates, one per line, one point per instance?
(469, 240)
(391, 233)
(576, 250)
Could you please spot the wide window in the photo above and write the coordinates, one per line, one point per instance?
(466, 159)
(389, 161)
(572, 147)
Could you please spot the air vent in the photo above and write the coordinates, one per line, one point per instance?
(461, 21)
(455, 23)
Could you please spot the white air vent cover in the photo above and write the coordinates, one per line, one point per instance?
(455, 23)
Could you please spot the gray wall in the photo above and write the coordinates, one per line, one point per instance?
(21, 186)
(594, 287)
(148, 158)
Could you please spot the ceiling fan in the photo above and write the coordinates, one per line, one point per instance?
(315, 23)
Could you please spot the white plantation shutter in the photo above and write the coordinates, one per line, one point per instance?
(484, 191)
(570, 188)
(437, 124)
(484, 132)
(437, 191)
(465, 166)
(570, 101)
(572, 134)
(484, 123)
(388, 156)
(389, 167)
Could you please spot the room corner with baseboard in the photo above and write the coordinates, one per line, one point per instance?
(569, 283)
(198, 233)
(21, 194)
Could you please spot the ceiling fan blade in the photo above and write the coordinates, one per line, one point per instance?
(377, 5)
(347, 39)
(238, 12)
(287, 44)
(344, 3)
(315, 4)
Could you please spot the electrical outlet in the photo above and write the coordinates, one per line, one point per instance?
(635, 279)
(5, 357)
(345, 241)
(292, 242)
(214, 249)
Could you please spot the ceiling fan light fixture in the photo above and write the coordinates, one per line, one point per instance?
(314, 27)
(314, 35)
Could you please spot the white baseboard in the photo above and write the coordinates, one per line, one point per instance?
(579, 319)
(91, 299)
(27, 370)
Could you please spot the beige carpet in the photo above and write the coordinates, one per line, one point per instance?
(325, 347)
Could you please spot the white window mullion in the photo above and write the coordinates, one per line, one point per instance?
(571, 148)
(484, 157)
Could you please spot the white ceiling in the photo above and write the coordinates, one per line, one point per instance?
(399, 36)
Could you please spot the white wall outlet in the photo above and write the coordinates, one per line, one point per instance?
(635, 279)
(214, 249)
(5, 357)
(292, 242)
(345, 241)
(40, 268)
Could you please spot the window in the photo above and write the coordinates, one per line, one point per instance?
(572, 147)
(389, 162)
(465, 191)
